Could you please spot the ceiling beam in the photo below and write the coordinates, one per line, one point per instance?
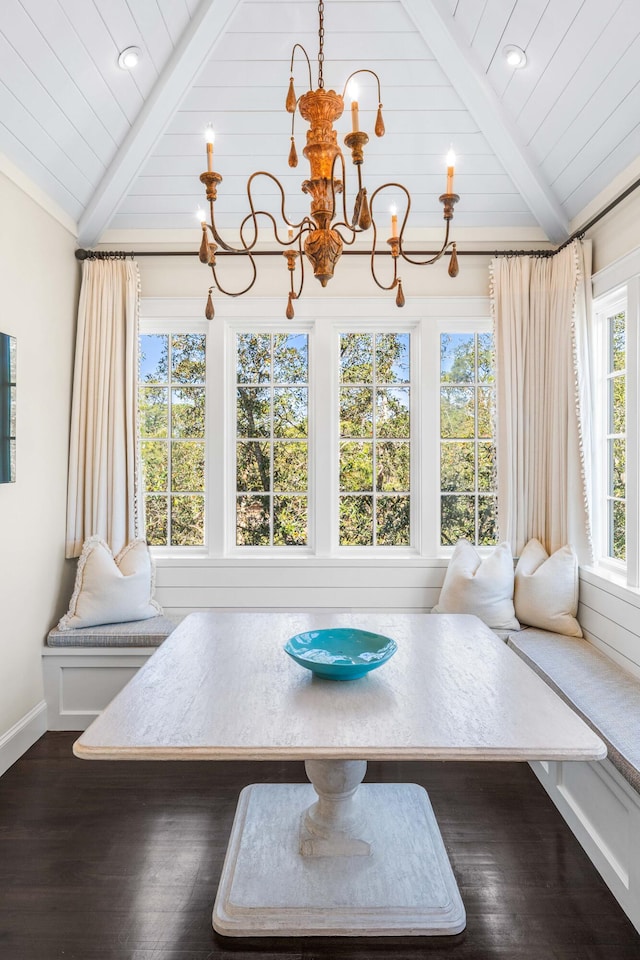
(434, 21)
(180, 72)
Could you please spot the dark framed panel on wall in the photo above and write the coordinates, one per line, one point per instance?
(7, 408)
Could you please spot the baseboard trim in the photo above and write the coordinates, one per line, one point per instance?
(22, 735)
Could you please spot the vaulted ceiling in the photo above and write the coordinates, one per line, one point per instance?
(121, 152)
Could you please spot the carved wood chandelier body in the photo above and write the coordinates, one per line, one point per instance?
(321, 236)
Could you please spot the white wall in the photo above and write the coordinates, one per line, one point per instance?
(38, 284)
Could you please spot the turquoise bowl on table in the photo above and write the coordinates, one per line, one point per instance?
(340, 653)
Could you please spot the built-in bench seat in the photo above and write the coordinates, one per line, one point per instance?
(84, 669)
(136, 633)
(606, 696)
(600, 800)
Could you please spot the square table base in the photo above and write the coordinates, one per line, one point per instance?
(404, 887)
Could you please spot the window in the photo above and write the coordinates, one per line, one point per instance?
(614, 540)
(318, 437)
(467, 447)
(171, 403)
(272, 439)
(375, 444)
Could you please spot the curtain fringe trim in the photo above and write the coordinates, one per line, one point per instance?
(578, 401)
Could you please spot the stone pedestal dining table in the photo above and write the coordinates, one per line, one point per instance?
(335, 856)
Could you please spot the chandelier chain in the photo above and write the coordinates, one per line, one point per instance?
(321, 46)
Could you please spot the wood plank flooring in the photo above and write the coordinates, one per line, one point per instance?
(120, 861)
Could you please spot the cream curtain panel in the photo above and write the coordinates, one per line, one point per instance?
(101, 497)
(541, 308)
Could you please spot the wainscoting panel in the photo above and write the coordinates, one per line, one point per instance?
(409, 586)
(610, 617)
(604, 814)
(79, 683)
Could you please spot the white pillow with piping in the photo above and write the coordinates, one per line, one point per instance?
(111, 590)
(546, 589)
(483, 587)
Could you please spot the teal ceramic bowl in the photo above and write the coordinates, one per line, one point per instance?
(340, 653)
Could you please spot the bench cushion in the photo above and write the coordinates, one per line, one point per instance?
(136, 633)
(606, 696)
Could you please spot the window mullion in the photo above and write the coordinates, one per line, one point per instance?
(429, 447)
(219, 437)
(170, 445)
(324, 438)
(374, 442)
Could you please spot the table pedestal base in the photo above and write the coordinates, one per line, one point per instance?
(402, 886)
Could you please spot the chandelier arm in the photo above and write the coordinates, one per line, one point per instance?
(293, 53)
(223, 243)
(423, 263)
(352, 232)
(397, 186)
(225, 246)
(304, 223)
(253, 217)
(349, 240)
(301, 261)
(238, 293)
(355, 74)
(394, 247)
(372, 263)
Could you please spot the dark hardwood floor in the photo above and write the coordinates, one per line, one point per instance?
(120, 861)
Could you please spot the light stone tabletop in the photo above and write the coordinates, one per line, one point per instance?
(221, 687)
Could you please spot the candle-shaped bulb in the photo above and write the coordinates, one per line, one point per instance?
(201, 215)
(393, 210)
(290, 234)
(209, 136)
(451, 160)
(352, 93)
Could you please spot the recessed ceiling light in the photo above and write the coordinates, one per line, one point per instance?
(515, 56)
(129, 58)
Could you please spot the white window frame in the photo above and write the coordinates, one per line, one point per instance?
(271, 327)
(624, 298)
(164, 326)
(457, 325)
(324, 320)
(391, 325)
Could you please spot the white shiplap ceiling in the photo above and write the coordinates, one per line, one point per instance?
(122, 152)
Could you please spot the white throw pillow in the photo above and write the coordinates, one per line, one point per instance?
(546, 589)
(482, 587)
(109, 590)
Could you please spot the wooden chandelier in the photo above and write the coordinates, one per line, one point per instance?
(322, 234)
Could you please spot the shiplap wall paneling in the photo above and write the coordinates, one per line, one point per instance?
(610, 618)
(407, 587)
(241, 92)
